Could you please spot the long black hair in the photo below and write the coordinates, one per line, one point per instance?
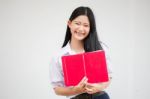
(91, 42)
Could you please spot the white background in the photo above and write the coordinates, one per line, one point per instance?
(31, 30)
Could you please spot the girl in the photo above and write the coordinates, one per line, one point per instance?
(81, 36)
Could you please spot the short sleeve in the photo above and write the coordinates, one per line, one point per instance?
(55, 71)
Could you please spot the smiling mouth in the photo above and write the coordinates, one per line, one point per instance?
(80, 34)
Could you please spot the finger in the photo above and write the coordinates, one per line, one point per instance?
(82, 81)
(86, 80)
(89, 85)
(89, 92)
(89, 89)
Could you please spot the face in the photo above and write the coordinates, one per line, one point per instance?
(79, 27)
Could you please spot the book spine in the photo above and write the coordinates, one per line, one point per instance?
(84, 65)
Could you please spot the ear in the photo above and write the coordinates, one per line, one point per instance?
(69, 23)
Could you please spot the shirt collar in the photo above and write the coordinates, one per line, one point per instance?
(68, 50)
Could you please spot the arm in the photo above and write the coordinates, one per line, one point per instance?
(68, 91)
(96, 87)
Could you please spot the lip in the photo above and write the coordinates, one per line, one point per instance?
(78, 33)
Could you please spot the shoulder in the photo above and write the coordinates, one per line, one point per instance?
(59, 53)
(106, 49)
(104, 46)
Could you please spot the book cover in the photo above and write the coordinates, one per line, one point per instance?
(90, 64)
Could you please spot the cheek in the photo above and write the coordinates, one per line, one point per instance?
(87, 30)
(73, 28)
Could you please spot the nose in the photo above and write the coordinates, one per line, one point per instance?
(81, 29)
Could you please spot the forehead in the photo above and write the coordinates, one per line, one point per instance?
(82, 18)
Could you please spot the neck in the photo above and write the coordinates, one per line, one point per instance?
(77, 46)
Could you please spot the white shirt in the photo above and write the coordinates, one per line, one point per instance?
(56, 72)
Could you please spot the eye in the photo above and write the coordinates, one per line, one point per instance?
(86, 25)
(77, 23)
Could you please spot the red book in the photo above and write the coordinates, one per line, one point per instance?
(90, 64)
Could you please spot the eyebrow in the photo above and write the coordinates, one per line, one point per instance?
(83, 23)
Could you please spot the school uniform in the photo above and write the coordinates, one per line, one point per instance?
(57, 76)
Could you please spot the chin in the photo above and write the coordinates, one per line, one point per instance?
(80, 38)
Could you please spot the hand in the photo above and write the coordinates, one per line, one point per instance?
(80, 88)
(93, 88)
(96, 87)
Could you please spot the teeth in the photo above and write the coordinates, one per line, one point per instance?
(79, 33)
